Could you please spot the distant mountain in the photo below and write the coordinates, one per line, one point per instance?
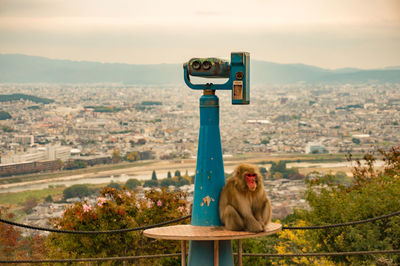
(16, 68)
(393, 67)
(23, 68)
(266, 72)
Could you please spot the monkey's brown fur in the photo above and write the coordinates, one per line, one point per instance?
(241, 209)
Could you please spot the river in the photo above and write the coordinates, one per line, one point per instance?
(145, 175)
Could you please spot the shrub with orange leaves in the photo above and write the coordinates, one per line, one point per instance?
(15, 247)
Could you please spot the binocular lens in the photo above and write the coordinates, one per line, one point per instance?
(196, 65)
(206, 65)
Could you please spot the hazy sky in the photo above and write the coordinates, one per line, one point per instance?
(325, 33)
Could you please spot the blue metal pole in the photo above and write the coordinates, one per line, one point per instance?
(209, 180)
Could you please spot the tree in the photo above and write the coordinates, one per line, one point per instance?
(169, 174)
(78, 190)
(279, 170)
(265, 141)
(132, 183)
(29, 204)
(182, 182)
(114, 185)
(263, 172)
(177, 173)
(166, 182)
(75, 164)
(150, 183)
(278, 167)
(116, 209)
(8, 236)
(132, 156)
(116, 156)
(7, 129)
(372, 193)
(15, 247)
(49, 198)
(356, 140)
(154, 176)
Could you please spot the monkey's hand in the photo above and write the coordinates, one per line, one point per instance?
(265, 227)
(254, 226)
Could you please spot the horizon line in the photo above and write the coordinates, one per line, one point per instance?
(152, 64)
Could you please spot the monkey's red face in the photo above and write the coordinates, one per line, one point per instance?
(251, 180)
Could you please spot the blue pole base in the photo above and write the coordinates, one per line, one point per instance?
(201, 253)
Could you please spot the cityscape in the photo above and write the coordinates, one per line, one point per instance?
(163, 123)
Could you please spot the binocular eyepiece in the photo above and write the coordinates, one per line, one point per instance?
(208, 67)
(237, 72)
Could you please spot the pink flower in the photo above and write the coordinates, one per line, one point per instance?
(101, 201)
(181, 208)
(128, 193)
(86, 208)
(159, 203)
(138, 205)
(149, 204)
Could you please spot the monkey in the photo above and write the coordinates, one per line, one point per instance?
(243, 203)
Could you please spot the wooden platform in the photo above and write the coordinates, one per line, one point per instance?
(207, 233)
(191, 232)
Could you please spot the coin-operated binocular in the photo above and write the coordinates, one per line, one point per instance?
(238, 72)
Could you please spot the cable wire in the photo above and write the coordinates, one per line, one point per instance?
(324, 254)
(340, 224)
(188, 216)
(94, 232)
(92, 259)
(127, 258)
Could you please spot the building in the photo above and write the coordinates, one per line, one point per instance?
(313, 147)
(49, 152)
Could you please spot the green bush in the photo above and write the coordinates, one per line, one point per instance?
(167, 182)
(279, 170)
(78, 190)
(49, 198)
(75, 164)
(150, 183)
(182, 182)
(114, 185)
(132, 183)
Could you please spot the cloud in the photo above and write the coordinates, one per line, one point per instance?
(275, 12)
